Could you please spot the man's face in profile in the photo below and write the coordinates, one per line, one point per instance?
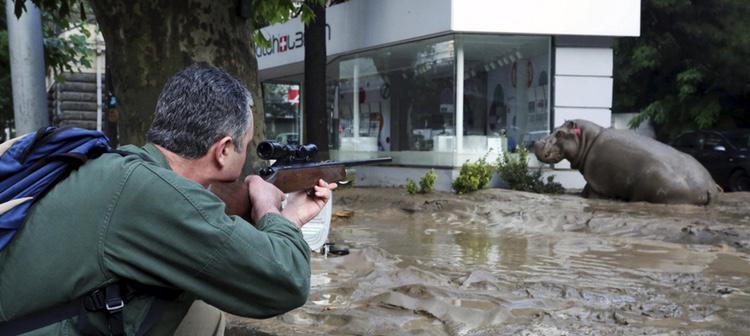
(237, 158)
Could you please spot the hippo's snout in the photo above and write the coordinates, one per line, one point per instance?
(547, 151)
(539, 147)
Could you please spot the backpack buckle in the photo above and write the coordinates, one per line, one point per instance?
(113, 301)
(114, 305)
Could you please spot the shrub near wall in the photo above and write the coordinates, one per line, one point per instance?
(516, 172)
(426, 183)
(473, 176)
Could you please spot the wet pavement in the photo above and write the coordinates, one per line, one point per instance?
(500, 262)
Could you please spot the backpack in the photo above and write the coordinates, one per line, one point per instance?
(30, 166)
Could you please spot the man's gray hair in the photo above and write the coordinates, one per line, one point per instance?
(199, 106)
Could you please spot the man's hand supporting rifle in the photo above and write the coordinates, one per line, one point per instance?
(295, 172)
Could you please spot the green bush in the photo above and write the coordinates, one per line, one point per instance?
(411, 186)
(427, 183)
(473, 176)
(516, 172)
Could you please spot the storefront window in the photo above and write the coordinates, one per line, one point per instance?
(401, 100)
(396, 99)
(281, 103)
(506, 91)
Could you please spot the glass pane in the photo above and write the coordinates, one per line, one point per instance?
(687, 141)
(506, 91)
(398, 98)
(740, 140)
(281, 103)
(713, 140)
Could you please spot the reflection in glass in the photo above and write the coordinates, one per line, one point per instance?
(506, 91)
(402, 99)
(281, 103)
(396, 98)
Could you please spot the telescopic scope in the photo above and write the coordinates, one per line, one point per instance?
(272, 150)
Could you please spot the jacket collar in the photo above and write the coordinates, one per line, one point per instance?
(156, 155)
(150, 153)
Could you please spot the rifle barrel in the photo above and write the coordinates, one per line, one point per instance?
(365, 162)
(333, 163)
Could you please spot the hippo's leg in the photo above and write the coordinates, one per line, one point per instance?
(589, 192)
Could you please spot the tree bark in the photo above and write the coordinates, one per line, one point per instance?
(314, 94)
(150, 41)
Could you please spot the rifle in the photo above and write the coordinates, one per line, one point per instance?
(295, 169)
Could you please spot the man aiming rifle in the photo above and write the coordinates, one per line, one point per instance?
(126, 243)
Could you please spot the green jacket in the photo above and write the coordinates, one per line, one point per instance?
(127, 218)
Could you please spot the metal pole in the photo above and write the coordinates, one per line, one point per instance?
(27, 68)
(98, 90)
(355, 98)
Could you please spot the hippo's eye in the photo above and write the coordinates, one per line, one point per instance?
(558, 134)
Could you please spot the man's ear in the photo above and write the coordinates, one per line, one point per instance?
(221, 150)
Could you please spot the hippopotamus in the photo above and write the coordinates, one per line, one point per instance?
(620, 164)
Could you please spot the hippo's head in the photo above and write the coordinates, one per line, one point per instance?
(561, 144)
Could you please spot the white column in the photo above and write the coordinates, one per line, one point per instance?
(459, 49)
(355, 98)
(583, 90)
(27, 68)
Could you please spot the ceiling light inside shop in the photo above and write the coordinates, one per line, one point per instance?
(518, 54)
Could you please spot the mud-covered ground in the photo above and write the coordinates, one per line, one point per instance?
(500, 262)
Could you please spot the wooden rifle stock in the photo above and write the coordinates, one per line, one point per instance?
(235, 196)
(289, 178)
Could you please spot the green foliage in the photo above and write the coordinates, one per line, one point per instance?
(60, 53)
(427, 183)
(65, 54)
(688, 69)
(516, 172)
(473, 176)
(411, 187)
(270, 12)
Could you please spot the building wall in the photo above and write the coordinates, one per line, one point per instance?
(583, 87)
(364, 24)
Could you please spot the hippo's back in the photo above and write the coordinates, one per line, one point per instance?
(663, 164)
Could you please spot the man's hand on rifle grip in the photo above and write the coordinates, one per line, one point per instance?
(264, 197)
(301, 206)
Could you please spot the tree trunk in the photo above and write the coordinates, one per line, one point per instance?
(150, 41)
(314, 94)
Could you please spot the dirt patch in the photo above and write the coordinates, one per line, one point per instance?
(500, 262)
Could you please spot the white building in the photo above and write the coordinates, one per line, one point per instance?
(433, 83)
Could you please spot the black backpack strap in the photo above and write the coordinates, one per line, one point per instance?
(110, 300)
(40, 319)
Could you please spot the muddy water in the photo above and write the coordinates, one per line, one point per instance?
(509, 263)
